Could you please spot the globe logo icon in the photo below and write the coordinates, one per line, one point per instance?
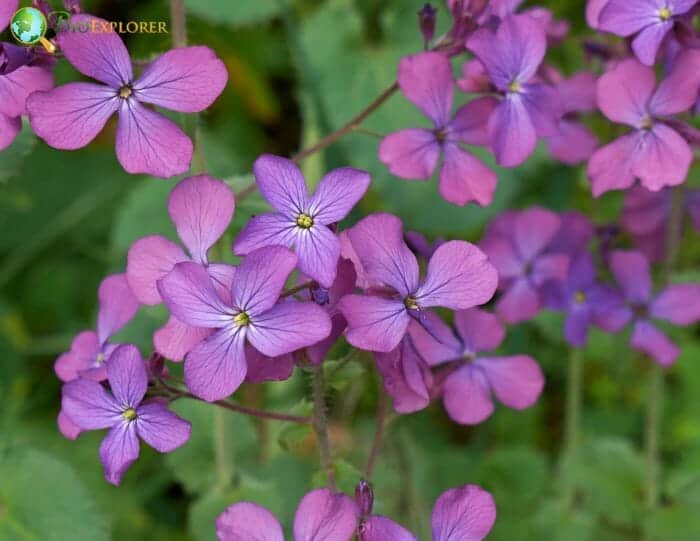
(28, 26)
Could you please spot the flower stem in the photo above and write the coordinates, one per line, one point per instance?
(223, 465)
(572, 419)
(320, 424)
(178, 23)
(378, 433)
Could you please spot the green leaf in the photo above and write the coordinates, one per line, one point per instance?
(16, 153)
(346, 476)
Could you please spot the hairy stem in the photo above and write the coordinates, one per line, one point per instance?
(378, 433)
(320, 424)
(178, 23)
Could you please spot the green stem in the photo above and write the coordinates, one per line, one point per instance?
(574, 400)
(178, 23)
(223, 464)
(320, 424)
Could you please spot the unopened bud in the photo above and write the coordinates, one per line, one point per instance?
(426, 21)
(364, 498)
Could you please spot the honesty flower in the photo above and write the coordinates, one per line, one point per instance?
(650, 20)
(466, 513)
(301, 221)
(677, 303)
(517, 244)
(216, 366)
(426, 80)
(511, 56)
(458, 276)
(201, 208)
(515, 380)
(90, 351)
(653, 151)
(187, 80)
(90, 407)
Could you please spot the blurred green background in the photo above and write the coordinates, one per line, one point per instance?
(299, 69)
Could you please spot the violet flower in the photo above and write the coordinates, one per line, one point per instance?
(653, 151)
(90, 351)
(301, 221)
(216, 366)
(517, 244)
(458, 276)
(90, 407)
(649, 20)
(511, 56)
(187, 80)
(515, 380)
(426, 80)
(201, 208)
(466, 513)
(678, 304)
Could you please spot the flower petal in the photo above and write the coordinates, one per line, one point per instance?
(288, 326)
(459, 276)
(89, 405)
(82, 354)
(324, 516)
(337, 193)
(262, 368)
(512, 134)
(247, 521)
(573, 144)
(426, 80)
(282, 184)
(149, 260)
(646, 44)
(576, 325)
(611, 167)
(9, 128)
(187, 80)
(544, 107)
(374, 323)
(98, 54)
(379, 528)
(161, 428)
(464, 178)
(517, 381)
(437, 346)
(318, 250)
(626, 18)
(117, 305)
(119, 450)
(7, 9)
(273, 229)
(216, 366)
(663, 158)
(678, 92)
(175, 339)
(406, 377)
(631, 271)
(678, 303)
(470, 123)
(412, 153)
(650, 340)
(519, 302)
(149, 143)
(70, 116)
(15, 88)
(624, 91)
(66, 427)
(466, 513)
(467, 397)
(127, 376)
(480, 330)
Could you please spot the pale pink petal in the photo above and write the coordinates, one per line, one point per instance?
(9, 128)
(467, 397)
(678, 92)
(663, 158)
(611, 167)
(573, 144)
(534, 230)
(374, 323)
(379, 528)
(624, 91)
(464, 178)
(519, 302)
(117, 305)
(650, 340)
(325, 516)
(247, 521)
(517, 381)
(175, 339)
(678, 303)
(426, 79)
(7, 9)
(411, 153)
(16, 86)
(82, 355)
(466, 513)
(479, 330)
(149, 260)
(470, 123)
(437, 346)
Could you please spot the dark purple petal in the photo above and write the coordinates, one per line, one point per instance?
(9, 128)
(175, 339)
(119, 450)
(337, 193)
(117, 306)
(148, 142)
(624, 91)
(479, 330)
(426, 80)
(459, 276)
(544, 107)
(609, 310)
(611, 167)
(464, 178)
(574, 234)
(89, 405)
(127, 376)
(511, 131)
(15, 88)
(149, 260)
(216, 366)
(650, 340)
(262, 368)
(663, 158)
(411, 153)
(247, 521)
(576, 324)
(281, 183)
(201, 208)
(98, 54)
(631, 270)
(187, 80)
(318, 250)
(379, 528)
(519, 302)
(678, 92)
(463, 514)
(374, 323)
(678, 303)
(437, 346)
(325, 516)
(517, 381)
(549, 267)
(82, 355)
(189, 294)
(467, 397)
(288, 326)
(70, 116)
(161, 428)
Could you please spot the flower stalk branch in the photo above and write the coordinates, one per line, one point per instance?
(320, 424)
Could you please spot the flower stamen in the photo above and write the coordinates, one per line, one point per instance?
(411, 303)
(241, 319)
(129, 414)
(125, 92)
(579, 297)
(305, 221)
(514, 86)
(665, 13)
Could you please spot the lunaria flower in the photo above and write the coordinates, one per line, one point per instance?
(458, 277)
(91, 407)
(68, 117)
(585, 301)
(464, 513)
(426, 80)
(649, 20)
(511, 56)
(201, 208)
(216, 366)
(678, 304)
(517, 244)
(90, 351)
(301, 221)
(473, 376)
(653, 151)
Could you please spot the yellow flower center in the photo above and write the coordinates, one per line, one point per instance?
(411, 303)
(125, 92)
(305, 221)
(665, 14)
(647, 123)
(580, 297)
(100, 358)
(514, 86)
(241, 319)
(129, 414)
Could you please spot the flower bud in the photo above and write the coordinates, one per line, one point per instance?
(320, 295)
(364, 498)
(426, 21)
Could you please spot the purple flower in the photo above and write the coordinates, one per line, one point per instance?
(516, 380)
(650, 20)
(216, 366)
(89, 406)
(301, 221)
(585, 301)
(653, 151)
(426, 80)
(528, 110)
(90, 351)
(187, 80)
(458, 277)
(517, 244)
(201, 208)
(575, 233)
(321, 516)
(466, 513)
(678, 304)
